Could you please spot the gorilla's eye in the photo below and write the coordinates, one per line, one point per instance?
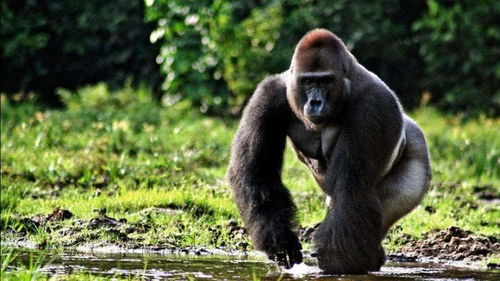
(306, 80)
(328, 79)
(317, 79)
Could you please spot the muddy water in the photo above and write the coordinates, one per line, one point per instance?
(228, 267)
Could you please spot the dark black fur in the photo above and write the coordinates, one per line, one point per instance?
(370, 122)
(352, 229)
(255, 173)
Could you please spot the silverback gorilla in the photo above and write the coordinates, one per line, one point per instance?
(348, 127)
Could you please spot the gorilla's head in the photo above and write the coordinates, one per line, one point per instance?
(317, 84)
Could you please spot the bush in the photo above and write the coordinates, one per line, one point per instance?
(51, 44)
(190, 65)
(213, 53)
(460, 45)
(217, 51)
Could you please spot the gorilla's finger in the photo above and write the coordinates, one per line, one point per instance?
(298, 257)
(294, 252)
(272, 257)
(295, 257)
(287, 264)
(283, 263)
(281, 258)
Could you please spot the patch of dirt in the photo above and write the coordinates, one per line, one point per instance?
(102, 230)
(455, 244)
(39, 220)
(401, 258)
(487, 194)
(238, 233)
(56, 215)
(234, 232)
(158, 210)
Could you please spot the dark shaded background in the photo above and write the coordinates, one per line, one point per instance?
(213, 53)
(68, 44)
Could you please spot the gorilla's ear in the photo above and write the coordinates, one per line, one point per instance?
(347, 85)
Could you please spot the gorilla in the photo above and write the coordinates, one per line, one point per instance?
(348, 127)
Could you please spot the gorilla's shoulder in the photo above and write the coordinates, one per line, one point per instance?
(272, 90)
(275, 83)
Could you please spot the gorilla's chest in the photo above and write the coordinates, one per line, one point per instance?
(313, 144)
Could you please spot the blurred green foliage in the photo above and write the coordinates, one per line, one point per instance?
(460, 44)
(215, 52)
(230, 46)
(51, 44)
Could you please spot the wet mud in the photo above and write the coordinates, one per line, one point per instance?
(122, 237)
(453, 244)
(105, 232)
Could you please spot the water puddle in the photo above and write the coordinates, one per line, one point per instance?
(226, 267)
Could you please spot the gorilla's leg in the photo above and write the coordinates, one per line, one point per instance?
(403, 188)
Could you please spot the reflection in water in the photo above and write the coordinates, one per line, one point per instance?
(231, 267)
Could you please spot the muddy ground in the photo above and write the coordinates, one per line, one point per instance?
(454, 244)
(112, 234)
(63, 230)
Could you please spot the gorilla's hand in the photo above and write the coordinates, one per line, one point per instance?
(280, 245)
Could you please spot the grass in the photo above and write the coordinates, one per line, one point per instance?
(162, 167)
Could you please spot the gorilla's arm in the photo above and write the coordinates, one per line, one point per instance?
(349, 238)
(255, 173)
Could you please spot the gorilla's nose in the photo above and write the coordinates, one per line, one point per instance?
(315, 105)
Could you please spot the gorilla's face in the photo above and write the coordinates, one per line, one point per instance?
(318, 95)
(316, 83)
(316, 88)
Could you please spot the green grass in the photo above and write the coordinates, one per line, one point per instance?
(127, 154)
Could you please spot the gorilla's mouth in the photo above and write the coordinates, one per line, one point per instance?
(317, 119)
